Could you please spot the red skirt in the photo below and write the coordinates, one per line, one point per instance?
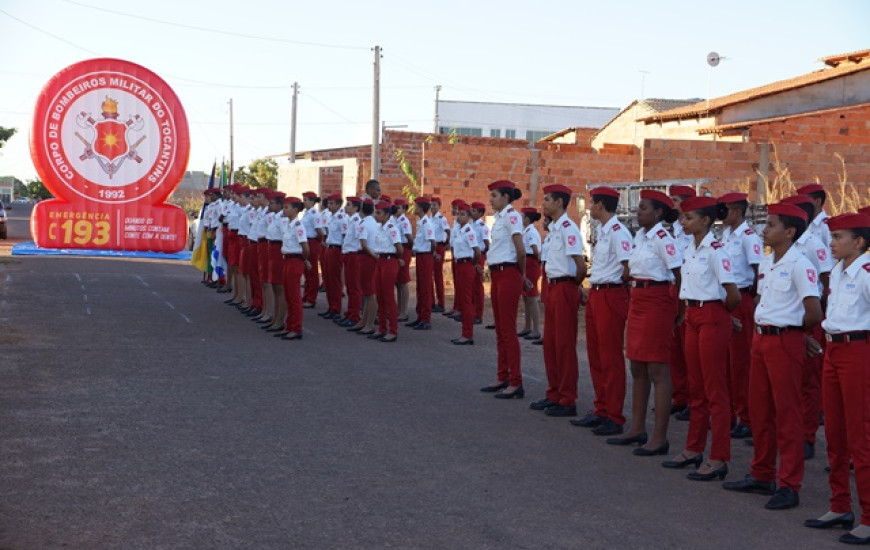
(276, 264)
(232, 237)
(650, 325)
(244, 254)
(367, 268)
(404, 276)
(533, 273)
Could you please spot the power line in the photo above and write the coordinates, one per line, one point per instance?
(56, 37)
(218, 31)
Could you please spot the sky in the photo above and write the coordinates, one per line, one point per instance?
(556, 53)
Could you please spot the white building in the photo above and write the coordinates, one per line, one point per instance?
(514, 120)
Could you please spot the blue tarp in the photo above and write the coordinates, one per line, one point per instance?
(30, 249)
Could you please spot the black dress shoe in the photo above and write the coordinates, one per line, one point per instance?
(741, 431)
(413, 323)
(366, 332)
(591, 420)
(683, 415)
(639, 439)
(560, 410)
(847, 520)
(660, 450)
(461, 342)
(437, 309)
(489, 327)
(541, 404)
(281, 334)
(292, 336)
(809, 450)
(519, 393)
(275, 329)
(678, 464)
(608, 427)
(478, 321)
(307, 306)
(230, 301)
(423, 326)
(538, 342)
(375, 336)
(677, 408)
(524, 333)
(849, 538)
(719, 472)
(535, 336)
(254, 312)
(449, 313)
(783, 499)
(354, 329)
(750, 485)
(388, 339)
(493, 389)
(402, 318)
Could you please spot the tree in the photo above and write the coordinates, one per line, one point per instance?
(260, 173)
(6, 134)
(37, 190)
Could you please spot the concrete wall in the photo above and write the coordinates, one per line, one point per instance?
(321, 176)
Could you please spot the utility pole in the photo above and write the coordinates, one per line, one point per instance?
(232, 165)
(437, 91)
(376, 117)
(293, 124)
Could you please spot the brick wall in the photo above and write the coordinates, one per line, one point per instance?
(330, 179)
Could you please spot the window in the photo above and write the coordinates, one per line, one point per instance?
(535, 136)
(478, 132)
(512, 134)
(495, 132)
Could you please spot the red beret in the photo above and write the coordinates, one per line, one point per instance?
(435, 199)
(292, 200)
(456, 202)
(262, 191)
(785, 209)
(421, 200)
(277, 195)
(798, 199)
(811, 188)
(309, 195)
(384, 205)
(245, 190)
(529, 210)
(353, 199)
(654, 195)
(682, 191)
(697, 203)
(368, 201)
(334, 197)
(606, 191)
(501, 184)
(463, 206)
(865, 210)
(400, 202)
(478, 206)
(848, 221)
(557, 188)
(385, 198)
(728, 198)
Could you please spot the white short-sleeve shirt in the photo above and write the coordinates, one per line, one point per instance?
(566, 242)
(294, 236)
(388, 236)
(275, 231)
(744, 247)
(425, 235)
(351, 244)
(506, 223)
(849, 301)
(440, 227)
(337, 228)
(464, 242)
(705, 269)
(783, 286)
(612, 247)
(312, 221)
(531, 237)
(368, 230)
(820, 229)
(654, 255)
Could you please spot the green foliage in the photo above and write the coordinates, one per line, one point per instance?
(6, 134)
(37, 190)
(190, 201)
(413, 190)
(260, 173)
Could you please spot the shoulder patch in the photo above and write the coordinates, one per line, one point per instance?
(615, 227)
(566, 223)
(467, 229)
(662, 233)
(716, 245)
(748, 231)
(866, 267)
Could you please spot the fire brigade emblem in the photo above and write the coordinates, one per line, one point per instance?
(107, 141)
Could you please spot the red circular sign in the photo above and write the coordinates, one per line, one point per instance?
(109, 131)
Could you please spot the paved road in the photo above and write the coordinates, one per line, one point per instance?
(138, 411)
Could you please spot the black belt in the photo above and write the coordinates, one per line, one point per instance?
(644, 283)
(557, 280)
(421, 253)
(846, 337)
(747, 289)
(333, 246)
(502, 266)
(276, 242)
(775, 331)
(603, 286)
(463, 260)
(360, 252)
(292, 256)
(700, 303)
(387, 256)
(262, 240)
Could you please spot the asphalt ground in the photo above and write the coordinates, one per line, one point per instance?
(139, 411)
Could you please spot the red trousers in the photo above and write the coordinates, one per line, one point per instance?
(388, 310)
(424, 289)
(545, 284)
(293, 269)
(254, 274)
(775, 407)
(811, 388)
(606, 313)
(708, 331)
(232, 239)
(453, 275)
(438, 274)
(738, 359)
(312, 276)
(351, 281)
(679, 369)
(332, 277)
(463, 280)
(244, 260)
(846, 388)
(560, 342)
(477, 290)
(507, 286)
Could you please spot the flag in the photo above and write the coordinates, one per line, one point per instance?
(218, 260)
(199, 256)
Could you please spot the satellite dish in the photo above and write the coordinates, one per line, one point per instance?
(713, 59)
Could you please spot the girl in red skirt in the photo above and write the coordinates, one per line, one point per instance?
(531, 301)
